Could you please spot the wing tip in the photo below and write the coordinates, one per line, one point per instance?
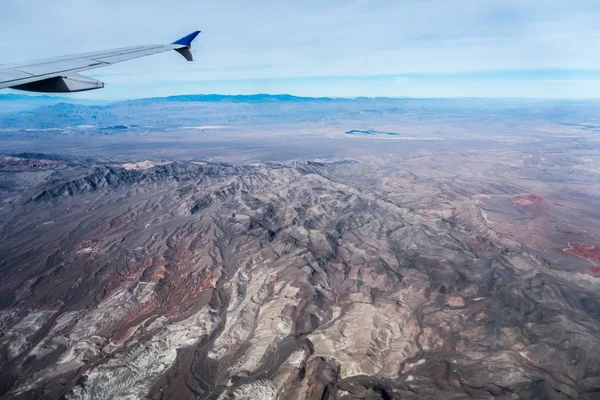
(188, 39)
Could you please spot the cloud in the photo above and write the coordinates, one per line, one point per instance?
(402, 80)
(263, 39)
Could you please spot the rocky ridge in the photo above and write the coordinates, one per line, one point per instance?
(302, 281)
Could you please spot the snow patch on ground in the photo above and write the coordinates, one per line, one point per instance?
(142, 165)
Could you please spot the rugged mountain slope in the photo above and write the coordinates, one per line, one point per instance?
(300, 281)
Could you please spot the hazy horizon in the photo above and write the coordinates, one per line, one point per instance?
(81, 96)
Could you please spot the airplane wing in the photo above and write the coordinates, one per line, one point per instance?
(61, 74)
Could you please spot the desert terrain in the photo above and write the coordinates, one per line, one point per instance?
(285, 248)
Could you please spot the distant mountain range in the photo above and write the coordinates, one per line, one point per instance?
(369, 132)
(12, 102)
(53, 112)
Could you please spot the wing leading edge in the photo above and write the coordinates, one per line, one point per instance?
(61, 74)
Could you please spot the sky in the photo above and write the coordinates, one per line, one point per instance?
(395, 48)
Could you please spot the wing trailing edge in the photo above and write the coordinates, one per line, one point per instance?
(62, 84)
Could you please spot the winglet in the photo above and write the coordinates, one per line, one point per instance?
(187, 40)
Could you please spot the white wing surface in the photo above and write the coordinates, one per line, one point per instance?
(61, 74)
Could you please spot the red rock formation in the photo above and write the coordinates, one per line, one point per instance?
(584, 251)
(529, 200)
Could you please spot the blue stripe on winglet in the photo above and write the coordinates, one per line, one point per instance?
(187, 40)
